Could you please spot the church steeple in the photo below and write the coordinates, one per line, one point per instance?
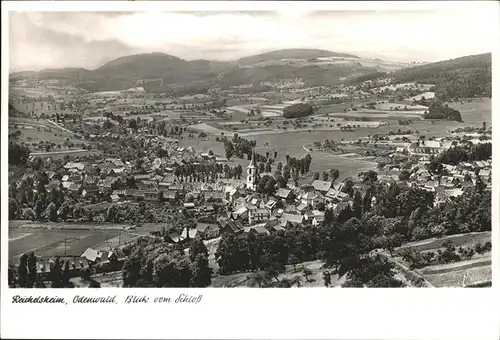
(253, 162)
(252, 173)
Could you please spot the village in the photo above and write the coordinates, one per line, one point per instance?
(187, 195)
(254, 176)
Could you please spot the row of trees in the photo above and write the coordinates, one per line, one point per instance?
(331, 175)
(206, 172)
(25, 274)
(450, 254)
(466, 153)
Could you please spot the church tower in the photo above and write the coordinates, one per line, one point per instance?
(252, 173)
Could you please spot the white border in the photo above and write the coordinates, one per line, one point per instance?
(253, 313)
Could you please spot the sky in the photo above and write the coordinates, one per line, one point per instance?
(39, 40)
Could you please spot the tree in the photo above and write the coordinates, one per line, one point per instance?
(172, 270)
(197, 248)
(22, 271)
(296, 281)
(51, 212)
(55, 273)
(31, 265)
(316, 176)
(327, 278)
(357, 205)
(266, 185)
(293, 260)
(370, 176)
(404, 175)
(334, 174)
(229, 148)
(307, 272)
(18, 154)
(112, 214)
(14, 209)
(325, 176)
(258, 279)
(201, 272)
(268, 167)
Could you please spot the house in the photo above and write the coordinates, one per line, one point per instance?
(258, 215)
(169, 195)
(423, 174)
(213, 196)
(191, 235)
(273, 225)
(485, 174)
(92, 255)
(76, 178)
(135, 194)
(90, 181)
(321, 186)
(52, 184)
(284, 193)
(271, 204)
(208, 231)
(152, 195)
(75, 188)
(70, 165)
(174, 237)
(142, 177)
(90, 191)
(301, 208)
(110, 183)
(229, 227)
(318, 217)
(189, 205)
(241, 213)
(146, 185)
(309, 199)
(114, 198)
(293, 219)
(259, 229)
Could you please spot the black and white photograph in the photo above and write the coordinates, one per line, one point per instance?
(288, 148)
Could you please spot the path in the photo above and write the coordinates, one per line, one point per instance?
(48, 153)
(60, 127)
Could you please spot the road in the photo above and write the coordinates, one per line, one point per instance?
(48, 153)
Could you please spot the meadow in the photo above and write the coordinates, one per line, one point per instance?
(44, 240)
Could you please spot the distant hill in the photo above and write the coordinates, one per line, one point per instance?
(141, 65)
(291, 54)
(70, 73)
(463, 77)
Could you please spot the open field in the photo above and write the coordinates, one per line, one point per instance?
(461, 277)
(35, 131)
(457, 274)
(50, 240)
(475, 112)
(458, 240)
(426, 95)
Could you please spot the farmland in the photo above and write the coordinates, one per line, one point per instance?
(45, 240)
(468, 272)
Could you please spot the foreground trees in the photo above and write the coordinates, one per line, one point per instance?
(153, 263)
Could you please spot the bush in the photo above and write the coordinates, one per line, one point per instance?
(438, 111)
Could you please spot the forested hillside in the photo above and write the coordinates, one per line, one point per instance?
(464, 77)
